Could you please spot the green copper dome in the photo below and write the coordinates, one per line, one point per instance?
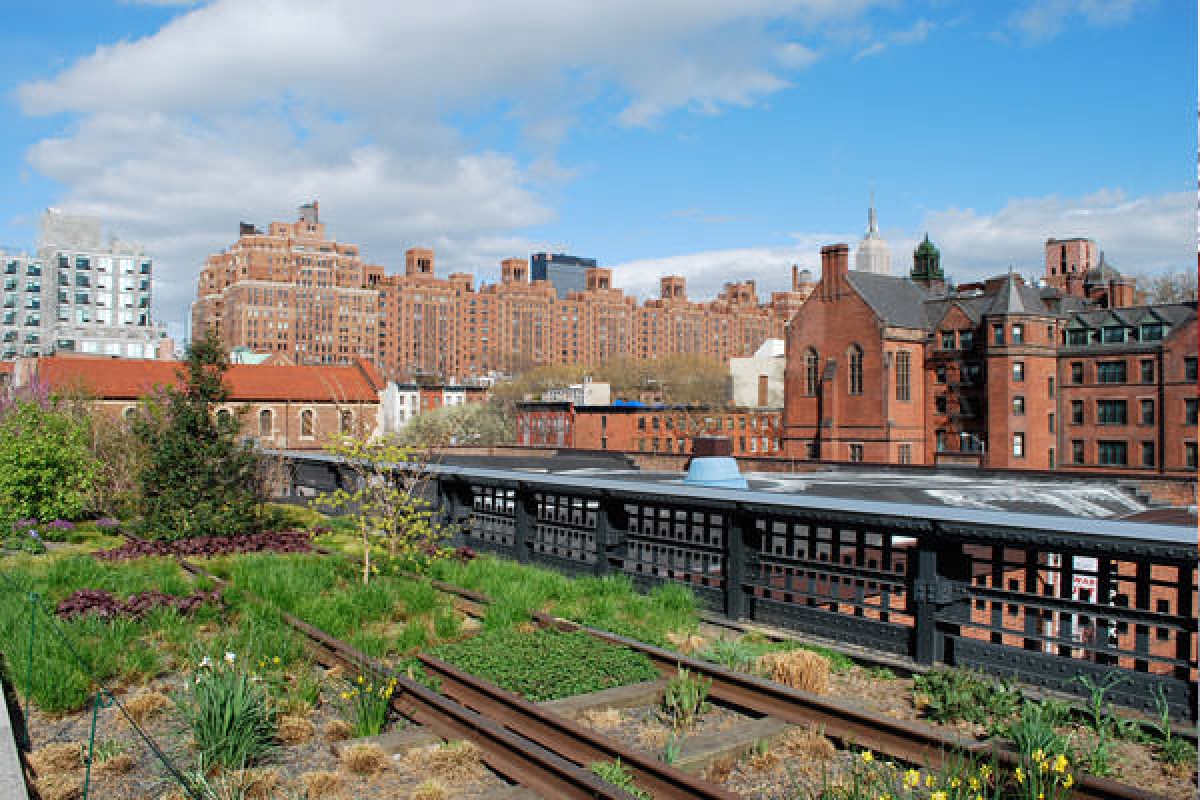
(927, 262)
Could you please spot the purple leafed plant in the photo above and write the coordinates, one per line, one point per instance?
(25, 525)
(60, 525)
(107, 523)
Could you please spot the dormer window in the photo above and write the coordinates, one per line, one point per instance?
(1077, 337)
(1152, 332)
(1114, 334)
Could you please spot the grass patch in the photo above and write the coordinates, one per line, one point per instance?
(547, 664)
(610, 603)
(746, 653)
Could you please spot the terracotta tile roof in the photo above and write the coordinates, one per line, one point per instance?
(129, 379)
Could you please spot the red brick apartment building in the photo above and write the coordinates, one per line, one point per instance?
(295, 291)
(645, 429)
(1070, 374)
(289, 407)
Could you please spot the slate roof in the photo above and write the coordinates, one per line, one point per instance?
(896, 301)
(1175, 314)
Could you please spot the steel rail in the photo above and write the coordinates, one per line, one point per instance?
(516, 757)
(567, 737)
(903, 740)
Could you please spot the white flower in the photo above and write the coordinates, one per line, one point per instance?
(206, 662)
(230, 657)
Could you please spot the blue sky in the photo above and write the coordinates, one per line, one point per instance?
(719, 140)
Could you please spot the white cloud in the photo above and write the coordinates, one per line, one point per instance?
(1139, 235)
(1044, 19)
(918, 33)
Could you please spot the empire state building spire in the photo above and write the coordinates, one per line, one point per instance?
(873, 254)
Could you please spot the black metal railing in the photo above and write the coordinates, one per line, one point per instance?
(1039, 598)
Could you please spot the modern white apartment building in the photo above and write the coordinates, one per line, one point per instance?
(79, 294)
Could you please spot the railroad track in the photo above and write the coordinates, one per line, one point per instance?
(902, 740)
(544, 752)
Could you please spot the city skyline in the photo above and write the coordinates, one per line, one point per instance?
(703, 142)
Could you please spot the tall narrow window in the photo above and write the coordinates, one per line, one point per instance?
(265, 423)
(307, 423)
(856, 359)
(903, 375)
(812, 377)
(347, 422)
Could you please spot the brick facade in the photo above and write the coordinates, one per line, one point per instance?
(998, 374)
(295, 291)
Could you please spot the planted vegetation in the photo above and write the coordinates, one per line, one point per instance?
(547, 664)
(101, 603)
(213, 546)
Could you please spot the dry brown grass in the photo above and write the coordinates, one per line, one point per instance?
(453, 763)
(527, 627)
(60, 757)
(429, 790)
(57, 786)
(295, 729)
(762, 760)
(799, 669)
(652, 737)
(363, 759)
(686, 642)
(719, 771)
(259, 784)
(117, 765)
(337, 730)
(806, 748)
(322, 784)
(143, 706)
(602, 719)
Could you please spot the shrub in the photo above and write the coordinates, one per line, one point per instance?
(228, 713)
(46, 468)
(198, 479)
(547, 664)
(958, 694)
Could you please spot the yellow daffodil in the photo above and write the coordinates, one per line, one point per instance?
(345, 695)
(1068, 781)
(867, 757)
(938, 796)
(1019, 774)
(1061, 763)
(955, 782)
(974, 783)
(1039, 754)
(912, 779)
(275, 660)
(360, 680)
(930, 781)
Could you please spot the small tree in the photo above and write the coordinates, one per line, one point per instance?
(387, 499)
(46, 466)
(198, 478)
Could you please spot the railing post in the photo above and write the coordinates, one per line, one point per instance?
(735, 564)
(925, 631)
(610, 514)
(524, 518)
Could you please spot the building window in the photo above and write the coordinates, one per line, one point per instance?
(856, 369)
(1076, 372)
(856, 453)
(966, 339)
(812, 365)
(1018, 445)
(814, 451)
(1147, 412)
(905, 454)
(1050, 422)
(1110, 372)
(1077, 451)
(1077, 338)
(1111, 412)
(1189, 410)
(1189, 369)
(1018, 405)
(1018, 334)
(266, 423)
(940, 374)
(641, 445)
(641, 423)
(903, 376)
(347, 422)
(947, 340)
(939, 403)
(1189, 454)
(1112, 454)
(1050, 387)
(1152, 332)
(654, 423)
(1147, 454)
(1076, 412)
(997, 334)
(1018, 371)
(1147, 371)
(308, 425)
(1113, 334)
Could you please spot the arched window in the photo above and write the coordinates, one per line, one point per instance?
(347, 422)
(266, 423)
(307, 423)
(903, 375)
(856, 359)
(812, 374)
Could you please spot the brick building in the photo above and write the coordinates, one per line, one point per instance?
(288, 407)
(646, 429)
(1069, 374)
(295, 291)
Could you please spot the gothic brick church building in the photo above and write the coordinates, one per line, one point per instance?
(1068, 374)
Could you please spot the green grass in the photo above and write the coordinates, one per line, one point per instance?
(610, 603)
(547, 664)
(743, 653)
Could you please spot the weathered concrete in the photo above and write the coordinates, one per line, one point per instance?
(12, 777)
(394, 742)
(702, 750)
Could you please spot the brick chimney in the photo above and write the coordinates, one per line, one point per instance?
(835, 263)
